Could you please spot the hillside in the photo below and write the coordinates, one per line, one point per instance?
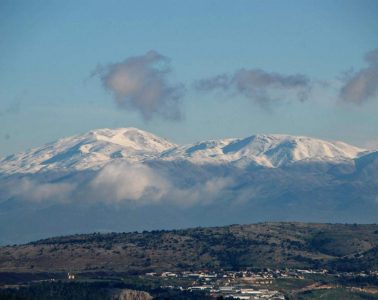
(263, 245)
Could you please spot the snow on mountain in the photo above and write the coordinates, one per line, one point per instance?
(98, 147)
(88, 151)
(266, 150)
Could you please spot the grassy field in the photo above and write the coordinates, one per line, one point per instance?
(319, 287)
(335, 294)
(290, 284)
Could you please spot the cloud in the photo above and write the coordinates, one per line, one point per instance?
(33, 190)
(142, 184)
(361, 86)
(118, 183)
(258, 85)
(140, 83)
(122, 181)
(202, 192)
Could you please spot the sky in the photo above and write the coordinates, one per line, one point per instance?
(188, 70)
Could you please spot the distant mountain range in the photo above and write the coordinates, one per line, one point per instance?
(127, 179)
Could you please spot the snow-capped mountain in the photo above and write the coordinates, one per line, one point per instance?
(91, 150)
(127, 179)
(99, 147)
(266, 150)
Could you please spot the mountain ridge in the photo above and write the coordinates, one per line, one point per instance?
(96, 148)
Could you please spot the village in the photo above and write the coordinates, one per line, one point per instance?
(236, 284)
(249, 284)
(210, 284)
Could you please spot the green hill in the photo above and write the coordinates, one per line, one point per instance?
(264, 245)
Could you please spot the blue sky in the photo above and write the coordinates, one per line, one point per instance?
(49, 49)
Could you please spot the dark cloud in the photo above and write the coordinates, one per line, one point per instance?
(141, 83)
(361, 86)
(259, 85)
(7, 136)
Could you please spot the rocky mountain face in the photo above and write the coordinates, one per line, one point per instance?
(127, 179)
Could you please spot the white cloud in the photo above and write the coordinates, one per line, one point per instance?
(202, 192)
(118, 182)
(141, 83)
(142, 184)
(123, 182)
(36, 191)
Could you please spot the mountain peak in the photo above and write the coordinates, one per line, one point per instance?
(98, 147)
(90, 150)
(131, 137)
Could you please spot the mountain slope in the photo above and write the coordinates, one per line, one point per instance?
(266, 150)
(91, 150)
(99, 147)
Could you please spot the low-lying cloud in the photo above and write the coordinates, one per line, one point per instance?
(362, 85)
(140, 183)
(140, 83)
(118, 183)
(33, 190)
(258, 85)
